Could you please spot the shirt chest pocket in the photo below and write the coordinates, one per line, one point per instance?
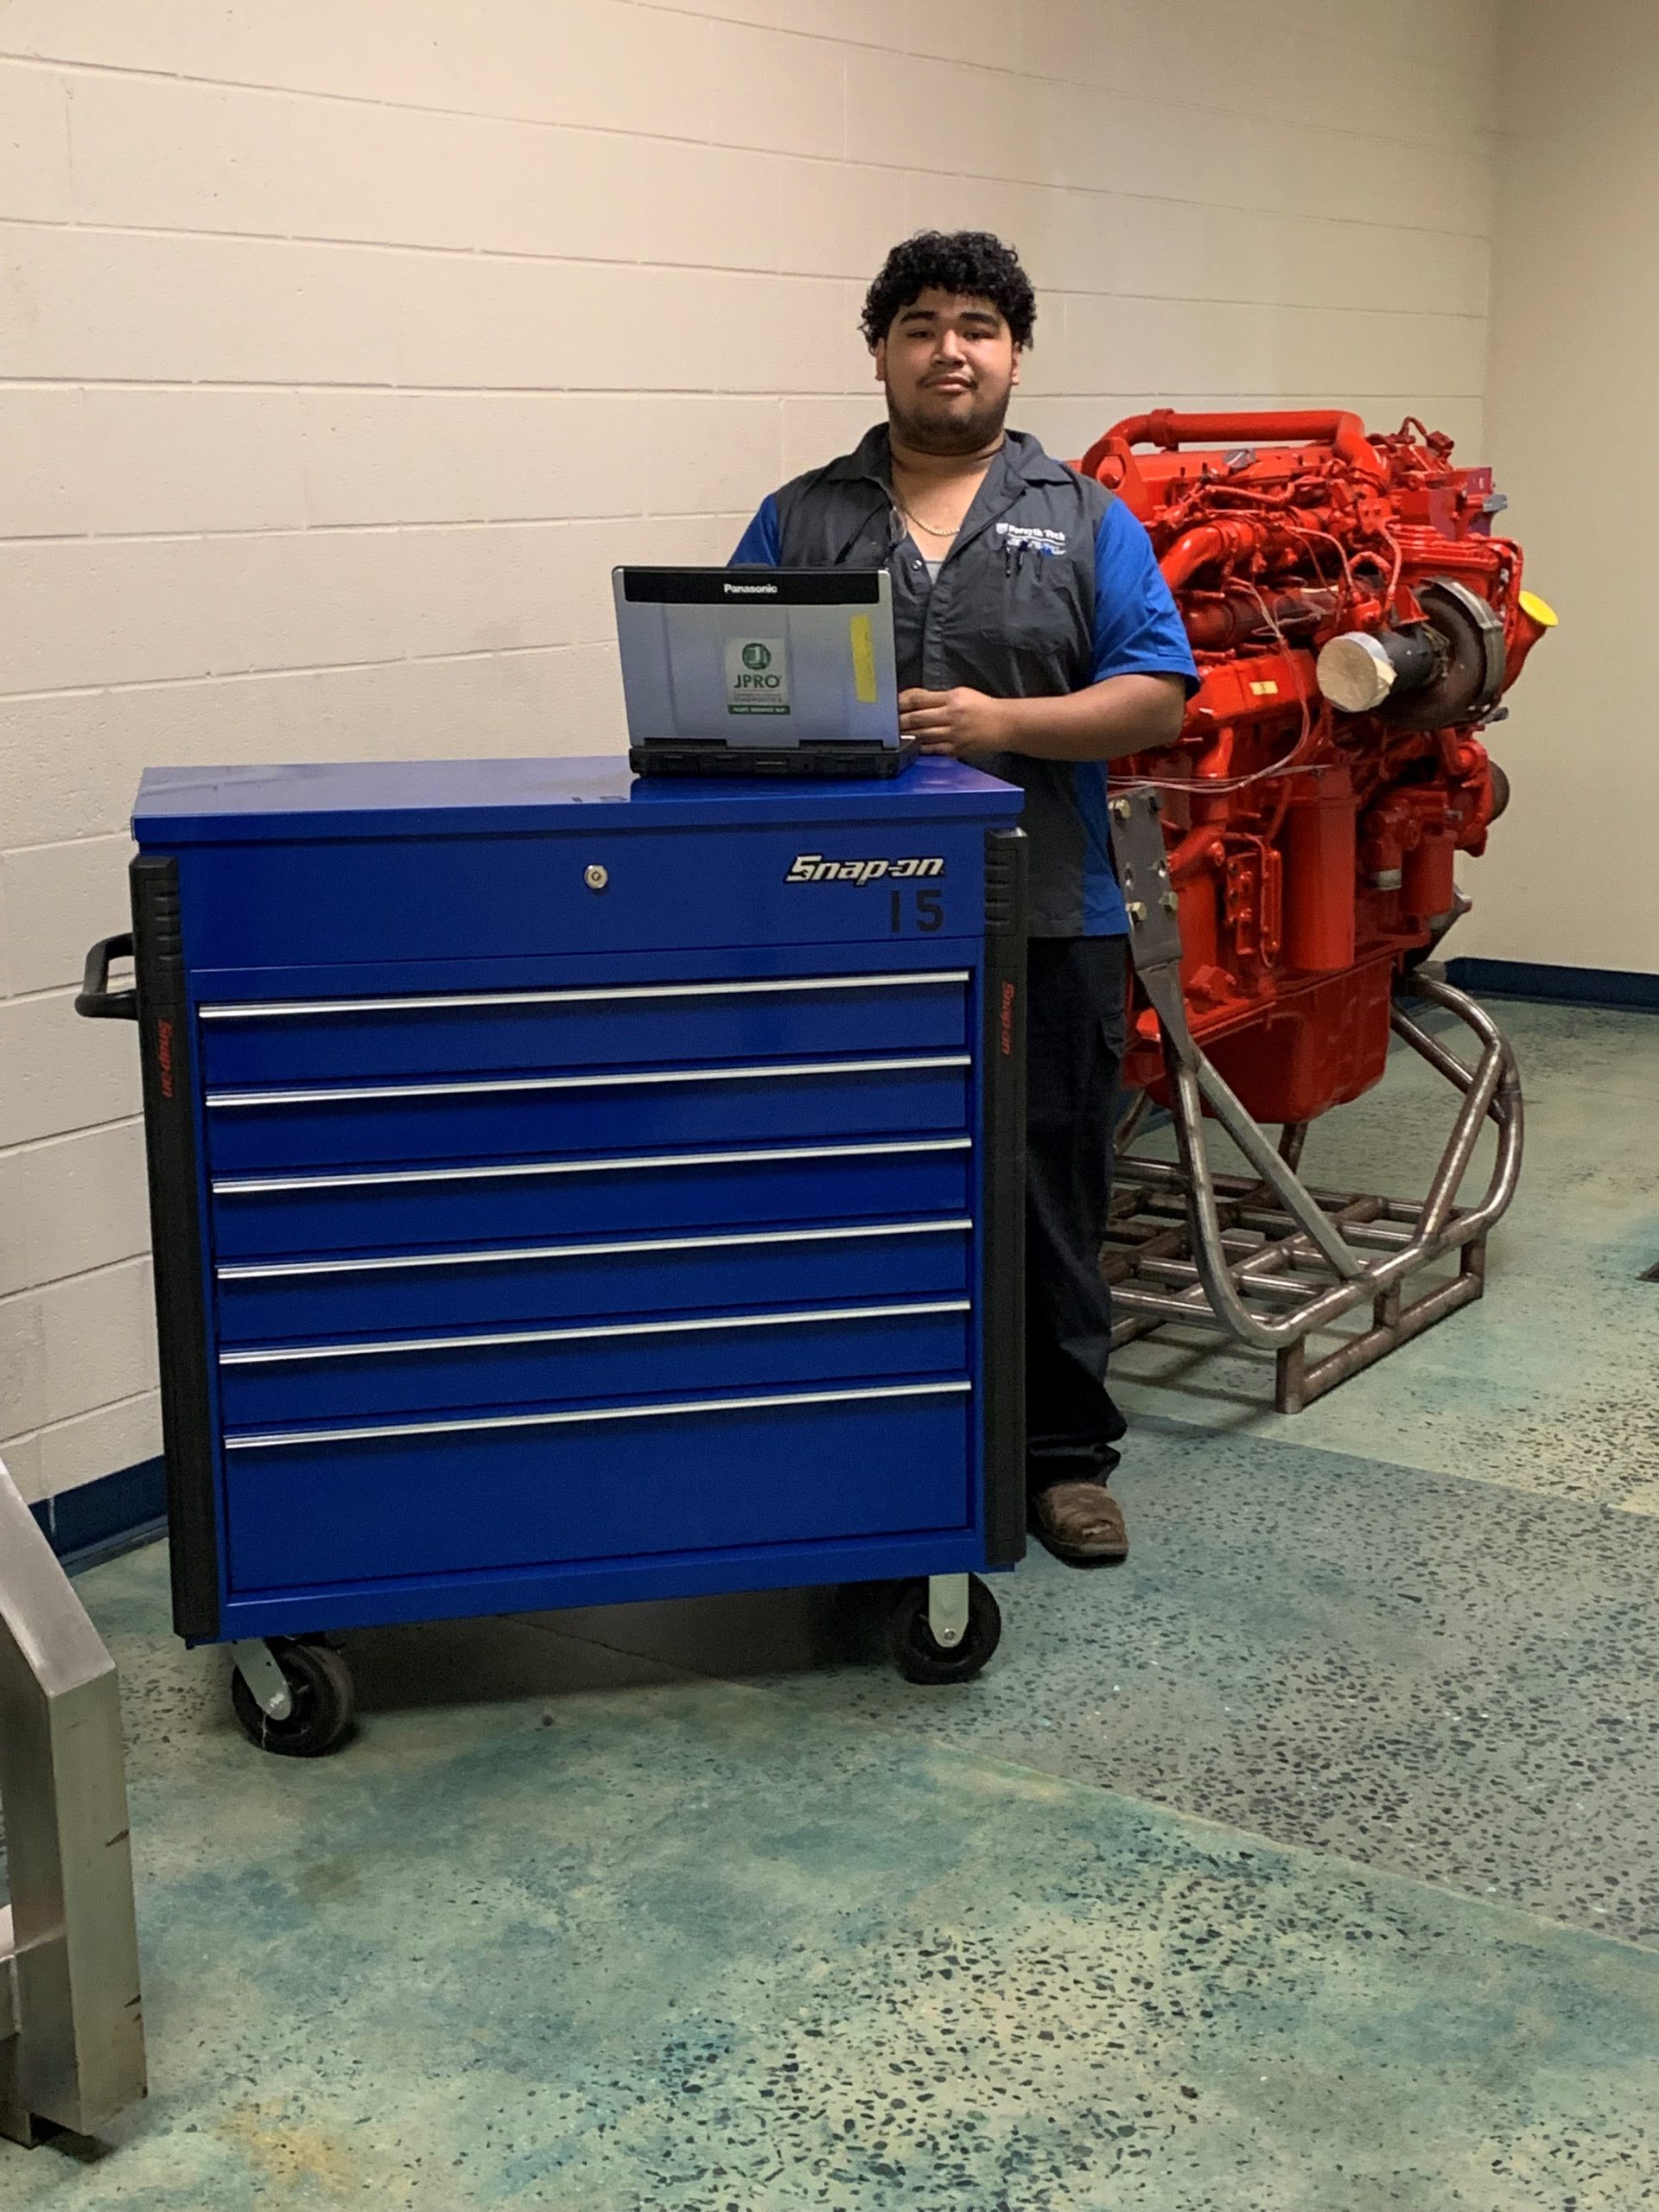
(1037, 602)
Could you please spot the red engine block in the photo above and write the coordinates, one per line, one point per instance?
(1355, 622)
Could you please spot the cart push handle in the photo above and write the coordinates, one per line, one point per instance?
(95, 999)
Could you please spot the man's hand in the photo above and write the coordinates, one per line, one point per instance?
(1119, 715)
(958, 723)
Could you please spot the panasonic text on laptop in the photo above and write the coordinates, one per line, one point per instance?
(759, 672)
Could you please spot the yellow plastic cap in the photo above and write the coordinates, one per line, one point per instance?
(1540, 609)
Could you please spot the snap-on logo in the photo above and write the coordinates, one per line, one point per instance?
(812, 867)
(165, 1055)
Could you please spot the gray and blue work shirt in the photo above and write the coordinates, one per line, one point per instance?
(1049, 585)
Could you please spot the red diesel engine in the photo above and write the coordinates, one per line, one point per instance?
(1355, 622)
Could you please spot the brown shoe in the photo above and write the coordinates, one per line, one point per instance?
(1081, 1524)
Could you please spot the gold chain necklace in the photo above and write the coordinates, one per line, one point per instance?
(927, 526)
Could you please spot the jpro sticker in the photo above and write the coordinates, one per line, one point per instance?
(863, 644)
(757, 676)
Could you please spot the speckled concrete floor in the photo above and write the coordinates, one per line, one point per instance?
(1434, 1677)
(568, 1928)
(573, 1923)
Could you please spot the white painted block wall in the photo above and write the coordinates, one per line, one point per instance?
(345, 347)
(1571, 878)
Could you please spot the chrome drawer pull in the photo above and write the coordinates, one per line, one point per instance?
(699, 1324)
(266, 1271)
(285, 1009)
(390, 1093)
(244, 1186)
(278, 1438)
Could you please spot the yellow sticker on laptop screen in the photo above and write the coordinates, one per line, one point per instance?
(863, 644)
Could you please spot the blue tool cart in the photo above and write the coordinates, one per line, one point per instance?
(567, 1191)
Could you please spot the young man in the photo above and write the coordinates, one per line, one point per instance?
(1038, 640)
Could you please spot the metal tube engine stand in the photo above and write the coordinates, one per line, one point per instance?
(72, 2039)
(1263, 1258)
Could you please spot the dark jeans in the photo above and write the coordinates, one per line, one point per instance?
(1074, 1014)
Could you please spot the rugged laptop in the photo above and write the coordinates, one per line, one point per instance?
(759, 672)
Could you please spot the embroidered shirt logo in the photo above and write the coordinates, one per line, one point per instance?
(1027, 538)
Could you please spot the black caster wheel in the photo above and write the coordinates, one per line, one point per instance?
(325, 1703)
(919, 1659)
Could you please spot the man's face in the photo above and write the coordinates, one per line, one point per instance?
(950, 364)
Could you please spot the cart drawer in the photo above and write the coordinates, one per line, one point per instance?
(311, 904)
(263, 1216)
(617, 1483)
(260, 1388)
(642, 1024)
(300, 1301)
(529, 1117)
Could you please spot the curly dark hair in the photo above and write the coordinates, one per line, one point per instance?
(972, 263)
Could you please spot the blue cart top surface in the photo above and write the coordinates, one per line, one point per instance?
(405, 799)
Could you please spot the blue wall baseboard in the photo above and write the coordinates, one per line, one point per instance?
(1628, 989)
(96, 1520)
